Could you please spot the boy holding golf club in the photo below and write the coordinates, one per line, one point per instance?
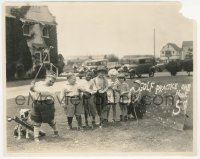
(43, 109)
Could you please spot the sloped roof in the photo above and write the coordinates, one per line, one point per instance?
(27, 13)
(175, 46)
(187, 43)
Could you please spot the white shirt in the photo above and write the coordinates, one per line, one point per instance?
(88, 87)
(42, 91)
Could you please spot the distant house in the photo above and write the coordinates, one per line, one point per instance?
(170, 52)
(187, 49)
(29, 30)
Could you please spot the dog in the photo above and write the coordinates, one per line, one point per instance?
(19, 129)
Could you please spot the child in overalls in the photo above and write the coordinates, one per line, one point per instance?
(43, 109)
(134, 99)
(70, 95)
(113, 93)
(100, 84)
(88, 99)
(124, 100)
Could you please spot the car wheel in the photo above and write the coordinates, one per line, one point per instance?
(132, 75)
(158, 69)
(151, 73)
(80, 77)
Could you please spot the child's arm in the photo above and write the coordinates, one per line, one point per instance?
(32, 86)
(126, 90)
(62, 95)
(107, 87)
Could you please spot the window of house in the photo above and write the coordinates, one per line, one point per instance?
(45, 32)
(45, 57)
(168, 53)
(26, 29)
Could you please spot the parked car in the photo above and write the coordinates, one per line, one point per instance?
(160, 67)
(91, 65)
(139, 66)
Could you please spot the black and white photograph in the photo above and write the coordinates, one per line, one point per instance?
(99, 78)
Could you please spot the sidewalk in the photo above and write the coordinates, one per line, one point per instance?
(13, 92)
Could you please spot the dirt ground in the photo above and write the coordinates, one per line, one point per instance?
(146, 135)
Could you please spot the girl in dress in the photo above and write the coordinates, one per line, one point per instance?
(113, 93)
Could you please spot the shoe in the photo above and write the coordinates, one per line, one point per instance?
(56, 133)
(80, 128)
(69, 127)
(36, 139)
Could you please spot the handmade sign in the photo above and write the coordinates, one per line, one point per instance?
(166, 103)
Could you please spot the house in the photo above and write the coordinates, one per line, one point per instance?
(187, 49)
(170, 52)
(30, 33)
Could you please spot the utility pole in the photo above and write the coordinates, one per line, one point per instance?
(154, 43)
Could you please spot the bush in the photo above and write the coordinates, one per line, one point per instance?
(173, 67)
(188, 65)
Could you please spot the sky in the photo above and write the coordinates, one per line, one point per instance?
(122, 28)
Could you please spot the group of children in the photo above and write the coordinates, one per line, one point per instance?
(96, 96)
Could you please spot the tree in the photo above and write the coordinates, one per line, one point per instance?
(18, 55)
(61, 63)
(112, 58)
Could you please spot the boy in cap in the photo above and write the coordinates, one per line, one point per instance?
(123, 101)
(88, 99)
(134, 99)
(43, 109)
(71, 98)
(100, 85)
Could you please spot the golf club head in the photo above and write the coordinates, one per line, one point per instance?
(9, 119)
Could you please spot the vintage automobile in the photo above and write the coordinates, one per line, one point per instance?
(139, 66)
(91, 65)
(160, 67)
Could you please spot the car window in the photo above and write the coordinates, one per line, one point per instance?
(141, 61)
(134, 62)
(148, 61)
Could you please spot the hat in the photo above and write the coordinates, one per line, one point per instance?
(89, 73)
(137, 81)
(113, 72)
(121, 75)
(51, 74)
(101, 68)
(70, 74)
